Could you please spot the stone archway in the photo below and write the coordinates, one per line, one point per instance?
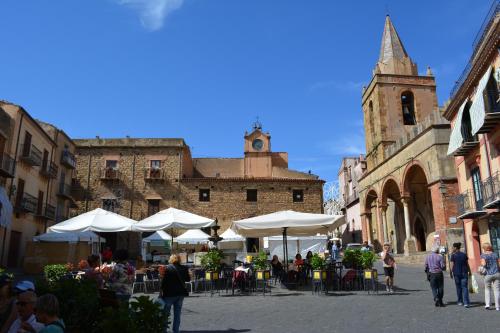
(370, 216)
(392, 215)
(418, 205)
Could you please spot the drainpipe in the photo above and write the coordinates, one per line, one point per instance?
(49, 182)
(88, 180)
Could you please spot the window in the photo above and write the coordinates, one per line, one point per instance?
(19, 192)
(155, 164)
(476, 184)
(153, 206)
(490, 94)
(466, 127)
(408, 108)
(252, 195)
(27, 144)
(494, 226)
(45, 161)
(110, 205)
(204, 195)
(298, 195)
(112, 164)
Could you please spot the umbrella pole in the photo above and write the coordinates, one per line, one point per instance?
(171, 241)
(285, 249)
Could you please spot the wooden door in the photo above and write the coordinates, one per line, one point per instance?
(15, 242)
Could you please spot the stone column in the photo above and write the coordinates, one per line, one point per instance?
(368, 224)
(379, 227)
(410, 240)
(383, 210)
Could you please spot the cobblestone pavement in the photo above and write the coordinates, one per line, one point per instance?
(409, 309)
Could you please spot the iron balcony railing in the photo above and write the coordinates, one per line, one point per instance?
(68, 159)
(31, 155)
(27, 203)
(153, 174)
(47, 212)
(468, 207)
(110, 174)
(64, 190)
(50, 170)
(7, 166)
(491, 191)
(489, 19)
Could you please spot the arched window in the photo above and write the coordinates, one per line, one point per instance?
(408, 108)
(371, 122)
(466, 127)
(490, 95)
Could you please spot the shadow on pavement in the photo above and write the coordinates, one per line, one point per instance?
(229, 330)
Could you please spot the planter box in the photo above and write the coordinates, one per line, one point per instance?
(263, 275)
(319, 275)
(211, 276)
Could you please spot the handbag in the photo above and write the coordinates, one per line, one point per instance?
(481, 270)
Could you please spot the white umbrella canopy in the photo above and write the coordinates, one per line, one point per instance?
(70, 237)
(230, 236)
(192, 236)
(157, 236)
(98, 220)
(296, 224)
(173, 218)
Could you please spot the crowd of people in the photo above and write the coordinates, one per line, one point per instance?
(22, 310)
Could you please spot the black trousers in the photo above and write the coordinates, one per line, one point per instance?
(437, 283)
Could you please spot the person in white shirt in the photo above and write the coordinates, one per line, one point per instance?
(26, 320)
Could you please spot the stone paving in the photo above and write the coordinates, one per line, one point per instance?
(409, 309)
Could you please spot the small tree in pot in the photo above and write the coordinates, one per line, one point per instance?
(318, 266)
(367, 260)
(261, 265)
(211, 262)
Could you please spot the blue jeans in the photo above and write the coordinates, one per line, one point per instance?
(177, 303)
(462, 285)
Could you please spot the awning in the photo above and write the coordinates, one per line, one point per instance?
(70, 237)
(172, 218)
(98, 220)
(230, 236)
(477, 111)
(456, 132)
(192, 236)
(5, 209)
(157, 236)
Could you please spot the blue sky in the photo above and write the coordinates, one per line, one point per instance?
(204, 70)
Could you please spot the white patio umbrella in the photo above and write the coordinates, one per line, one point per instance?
(98, 220)
(230, 236)
(192, 236)
(159, 235)
(287, 222)
(71, 237)
(173, 218)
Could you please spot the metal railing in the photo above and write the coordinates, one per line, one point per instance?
(31, 155)
(153, 173)
(68, 159)
(7, 165)
(110, 173)
(49, 212)
(27, 203)
(64, 190)
(50, 170)
(467, 203)
(490, 17)
(491, 189)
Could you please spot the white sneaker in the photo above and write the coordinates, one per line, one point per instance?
(486, 307)
(387, 289)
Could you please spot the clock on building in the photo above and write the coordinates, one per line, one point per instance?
(257, 144)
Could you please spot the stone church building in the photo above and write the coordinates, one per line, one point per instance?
(405, 193)
(139, 177)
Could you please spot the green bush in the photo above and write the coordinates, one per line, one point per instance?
(54, 273)
(211, 261)
(317, 262)
(260, 262)
(368, 258)
(352, 258)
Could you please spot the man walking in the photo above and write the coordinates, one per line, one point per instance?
(460, 272)
(388, 263)
(173, 288)
(434, 266)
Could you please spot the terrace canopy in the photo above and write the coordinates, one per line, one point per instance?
(98, 220)
(70, 237)
(192, 236)
(173, 218)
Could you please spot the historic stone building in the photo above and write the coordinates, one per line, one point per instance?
(474, 110)
(404, 192)
(138, 177)
(36, 164)
(351, 170)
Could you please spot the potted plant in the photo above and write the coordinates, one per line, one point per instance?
(211, 264)
(318, 267)
(352, 258)
(367, 260)
(261, 266)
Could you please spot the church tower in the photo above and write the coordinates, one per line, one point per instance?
(397, 98)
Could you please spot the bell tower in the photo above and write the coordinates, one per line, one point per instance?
(397, 98)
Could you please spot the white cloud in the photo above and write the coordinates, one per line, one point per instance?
(350, 143)
(152, 13)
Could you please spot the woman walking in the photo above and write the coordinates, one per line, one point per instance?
(489, 260)
(389, 264)
(434, 266)
(173, 288)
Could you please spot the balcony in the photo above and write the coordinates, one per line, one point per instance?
(27, 204)
(468, 207)
(31, 155)
(470, 143)
(68, 159)
(154, 174)
(351, 198)
(48, 212)
(64, 191)
(111, 174)
(491, 118)
(7, 166)
(491, 191)
(50, 170)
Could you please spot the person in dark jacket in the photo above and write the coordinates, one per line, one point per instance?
(173, 288)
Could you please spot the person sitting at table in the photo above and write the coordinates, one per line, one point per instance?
(277, 267)
(122, 276)
(298, 260)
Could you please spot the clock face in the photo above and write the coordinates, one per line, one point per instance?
(257, 144)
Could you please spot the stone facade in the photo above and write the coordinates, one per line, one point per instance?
(234, 188)
(474, 110)
(403, 193)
